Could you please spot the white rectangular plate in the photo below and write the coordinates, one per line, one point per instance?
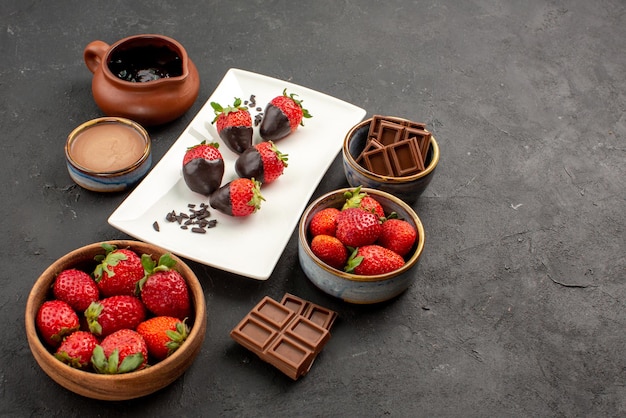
(249, 246)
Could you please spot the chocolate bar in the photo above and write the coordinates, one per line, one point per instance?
(287, 335)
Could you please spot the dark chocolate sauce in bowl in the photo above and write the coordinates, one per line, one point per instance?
(141, 64)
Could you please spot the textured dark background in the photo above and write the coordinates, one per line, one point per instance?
(519, 305)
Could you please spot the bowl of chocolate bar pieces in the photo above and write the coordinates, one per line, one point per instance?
(391, 154)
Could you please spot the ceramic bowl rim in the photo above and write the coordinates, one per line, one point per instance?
(302, 237)
(349, 158)
(180, 50)
(108, 119)
(45, 280)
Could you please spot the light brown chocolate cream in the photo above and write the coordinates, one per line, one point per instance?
(107, 147)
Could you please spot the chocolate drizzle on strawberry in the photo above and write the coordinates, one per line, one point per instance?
(275, 124)
(250, 164)
(220, 200)
(203, 176)
(237, 138)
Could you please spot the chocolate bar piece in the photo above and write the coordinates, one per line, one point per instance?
(377, 161)
(389, 133)
(287, 335)
(423, 139)
(405, 157)
(370, 145)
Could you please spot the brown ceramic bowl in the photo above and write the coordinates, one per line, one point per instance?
(407, 188)
(122, 386)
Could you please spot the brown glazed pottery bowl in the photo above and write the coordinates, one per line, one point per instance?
(121, 386)
(354, 288)
(407, 188)
(147, 78)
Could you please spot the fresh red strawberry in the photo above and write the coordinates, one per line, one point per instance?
(397, 235)
(163, 335)
(56, 319)
(283, 114)
(121, 352)
(324, 222)
(358, 199)
(164, 291)
(75, 287)
(330, 250)
(76, 349)
(371, 260)
(234, 125)
(263, 162)
(118, 272)
(114, 313)
(240, 197)
(357, 227)
(203, 168)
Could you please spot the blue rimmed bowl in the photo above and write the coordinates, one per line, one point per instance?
(354, 288)
(407, 188)
(109, 154)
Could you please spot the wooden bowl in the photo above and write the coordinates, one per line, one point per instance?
(122, 386)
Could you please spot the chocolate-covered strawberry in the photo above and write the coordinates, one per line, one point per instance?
(263, 162)
(283, 114)
(234, 125)
(203, 168)
(240, 197)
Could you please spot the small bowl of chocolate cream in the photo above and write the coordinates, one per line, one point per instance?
(109, 154)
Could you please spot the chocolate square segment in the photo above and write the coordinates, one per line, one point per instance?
(423, 139)
(294, 303)
(377, 161)
(371, 145)
(254, 334)
(375, 126)
(273, 312)
(308, 333)
(389, 133)
(405, 157)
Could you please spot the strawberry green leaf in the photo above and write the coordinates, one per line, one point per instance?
(130, 362)
(101, 363)
(353, 198)
(92, 313)
(353, 261)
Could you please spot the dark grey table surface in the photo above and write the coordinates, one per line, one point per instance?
(518, 308)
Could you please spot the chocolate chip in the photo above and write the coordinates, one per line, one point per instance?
(196, 218)
(155, 225)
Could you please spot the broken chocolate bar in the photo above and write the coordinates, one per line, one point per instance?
(287, 335)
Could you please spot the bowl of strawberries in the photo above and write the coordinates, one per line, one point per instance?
(360, 245)
(116, 320)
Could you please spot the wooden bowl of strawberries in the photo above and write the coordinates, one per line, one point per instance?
(116, 320)
(360, 245)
